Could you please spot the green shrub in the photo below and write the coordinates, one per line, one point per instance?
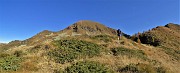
(149, 39)
(87, 67)
(62, 55)
(129, 68)
(129, 52)
(141, 68)
(161, 70)
(10, 63)
(68, 50)
(135, 38)
(104, 38)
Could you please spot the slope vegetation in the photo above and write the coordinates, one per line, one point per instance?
(166, 37)
(91, 47)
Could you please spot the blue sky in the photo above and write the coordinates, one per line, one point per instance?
(21, 19)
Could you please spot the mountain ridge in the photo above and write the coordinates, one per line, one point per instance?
(75, 46)
(85, 27)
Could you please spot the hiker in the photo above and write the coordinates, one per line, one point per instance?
(119, 33)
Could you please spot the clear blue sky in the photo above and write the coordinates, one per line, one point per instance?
(21, 19)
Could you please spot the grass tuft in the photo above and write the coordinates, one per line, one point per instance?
(129, 52)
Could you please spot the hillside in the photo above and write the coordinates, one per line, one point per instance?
(167, 37)
(91, 47)
(1, 44)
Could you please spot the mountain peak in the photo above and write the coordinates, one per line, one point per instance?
(88, 23)
(45, 32)
(89, 28)
(84, 21)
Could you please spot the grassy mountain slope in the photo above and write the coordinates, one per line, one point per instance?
(166, 37)
(93, 47)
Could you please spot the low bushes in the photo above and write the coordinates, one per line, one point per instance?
(10, 62)
(149, 39)
(129, 52)
(129, 68)
(104, 38)
(87, 67)
(141, 68)
(68, 50)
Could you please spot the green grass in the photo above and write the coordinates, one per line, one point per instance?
(129, 52)
(104, 38)
(68, 50)
(141, 68)
(88, 67)
(129, 68)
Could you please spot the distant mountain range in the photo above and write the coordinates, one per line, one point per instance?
(153, 51)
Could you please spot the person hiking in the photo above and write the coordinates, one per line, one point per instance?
(119, 33)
